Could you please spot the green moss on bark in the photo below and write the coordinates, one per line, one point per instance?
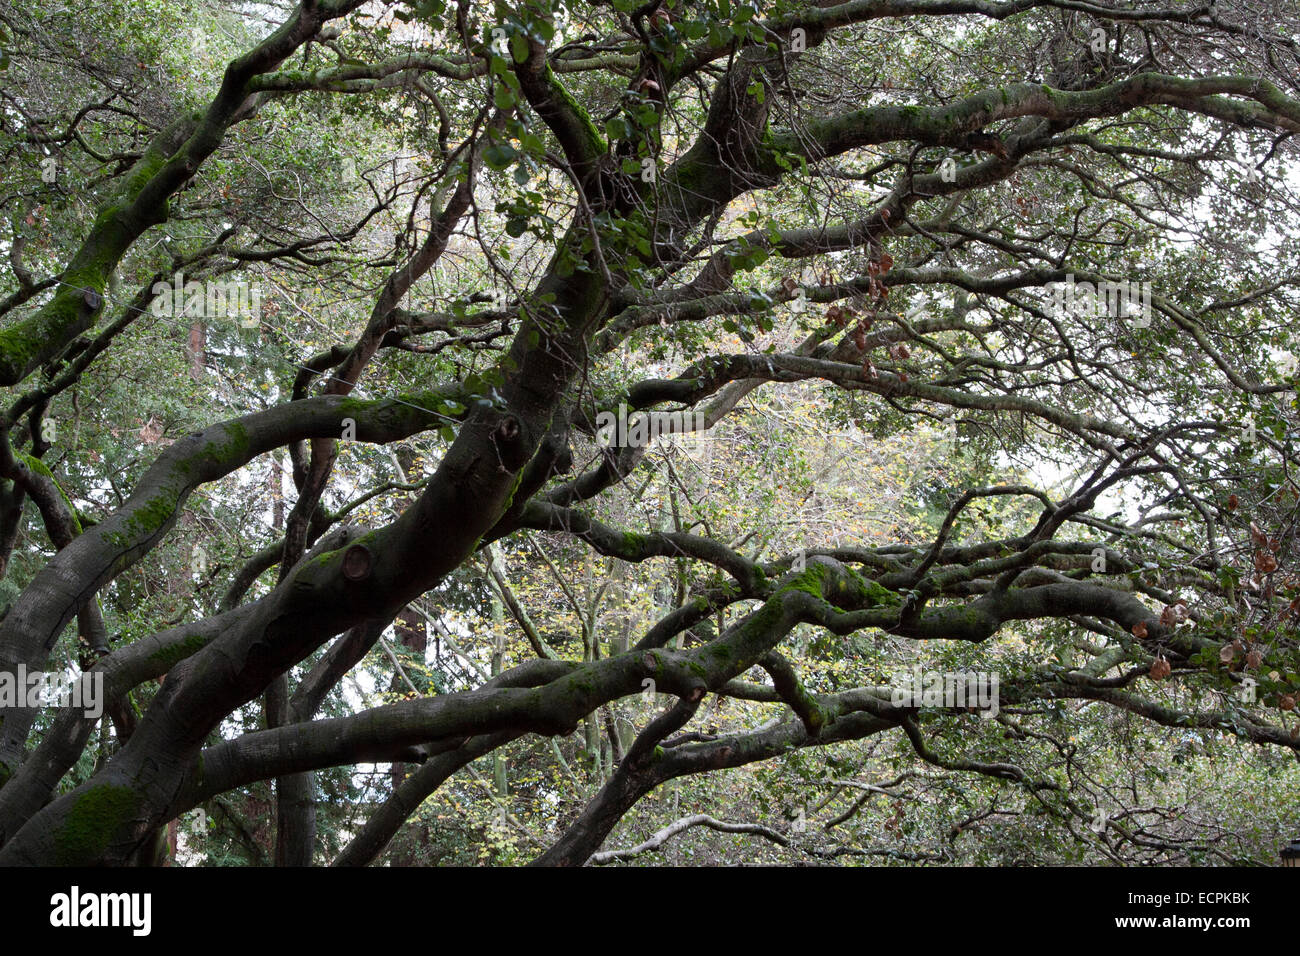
(91, 823)
(173, 653)
(38, 466)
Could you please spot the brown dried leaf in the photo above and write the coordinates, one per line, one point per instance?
(1265, 563)
(151, 432)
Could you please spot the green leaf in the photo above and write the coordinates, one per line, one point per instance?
(616, 128)
(519, 47)
(500, 155)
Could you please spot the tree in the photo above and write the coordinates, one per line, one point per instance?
(1051, 238)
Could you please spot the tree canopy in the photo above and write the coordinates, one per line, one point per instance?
(557, 431)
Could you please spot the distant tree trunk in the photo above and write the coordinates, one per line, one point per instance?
(411, 631)
(277, 492)
(195, 352)
(295, 799)
(499, 763)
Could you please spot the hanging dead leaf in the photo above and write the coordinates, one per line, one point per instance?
(1286, 702)
(1140, 630)
(1254, 657)
(1226, 653)
(152, 431)
(1160, 668)
(1233, 501)
(1265, 563)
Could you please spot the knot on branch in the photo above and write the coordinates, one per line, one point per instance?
(511, 444)
(357, 563)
